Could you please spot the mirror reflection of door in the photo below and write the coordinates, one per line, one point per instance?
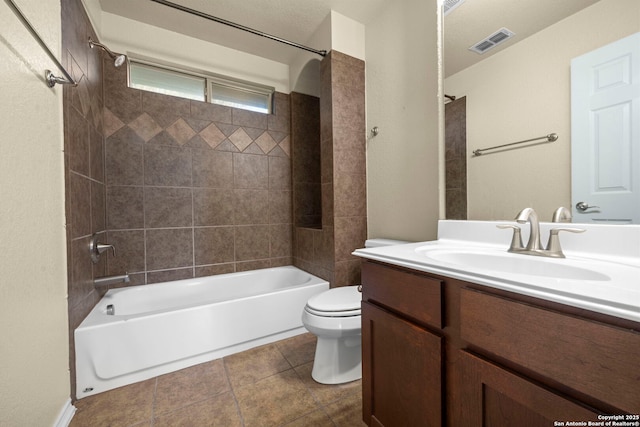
(455, 157)
(605, 133)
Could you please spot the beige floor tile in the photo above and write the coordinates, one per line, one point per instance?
(218, 411)
(275, 400)
(124, 406)
(298, 350)
(314, 419)
(347, 412)
(255, 364)
(324, 393)
(190, 385)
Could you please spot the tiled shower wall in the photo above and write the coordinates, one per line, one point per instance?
(84, 164)
(456, 159)
(193, 188)
(326, 252)
(306, 157)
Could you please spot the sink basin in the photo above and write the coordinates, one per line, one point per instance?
(513, 264)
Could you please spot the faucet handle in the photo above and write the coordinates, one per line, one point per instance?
(516, 239)
(101, 247)
(553, 246)
(96, 248)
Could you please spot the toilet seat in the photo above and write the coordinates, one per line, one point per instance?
(337, 302)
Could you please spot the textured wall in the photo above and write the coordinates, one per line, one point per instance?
(403, 180)
(34, 359)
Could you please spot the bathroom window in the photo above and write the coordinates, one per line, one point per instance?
(168, 82)
(198, 86)
(241, 95)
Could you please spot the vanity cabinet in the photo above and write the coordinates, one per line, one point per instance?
(402, 356)
(440, 351)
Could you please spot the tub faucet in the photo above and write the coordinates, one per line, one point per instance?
(111, 280)
(533, 245)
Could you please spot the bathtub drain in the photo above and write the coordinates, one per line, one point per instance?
(111, 310)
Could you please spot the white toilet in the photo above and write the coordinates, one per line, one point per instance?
(334, 317)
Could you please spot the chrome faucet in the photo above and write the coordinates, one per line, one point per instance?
(534, 246)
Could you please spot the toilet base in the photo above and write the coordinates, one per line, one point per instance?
(338, 360)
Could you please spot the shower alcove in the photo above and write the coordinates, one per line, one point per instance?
(329, 167)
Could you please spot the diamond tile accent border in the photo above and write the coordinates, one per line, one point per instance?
(285, 145)
(265, 142)
(212, 135)
(112, 123)
(181, 131)
(240, 139)
(145, 127)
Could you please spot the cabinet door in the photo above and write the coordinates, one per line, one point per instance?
(494, 397)
(401, 371)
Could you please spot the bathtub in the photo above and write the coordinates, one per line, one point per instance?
(160, 328)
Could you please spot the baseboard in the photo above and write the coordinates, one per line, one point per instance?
(65, 415)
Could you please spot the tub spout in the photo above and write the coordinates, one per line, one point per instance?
(110, 280)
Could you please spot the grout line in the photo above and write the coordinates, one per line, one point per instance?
(153, 403)
(232, 390)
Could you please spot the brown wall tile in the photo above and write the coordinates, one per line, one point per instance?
(212, 169)
(250, 171)
(252, 242)
(130, 252)
(251, 206)
(213, 206)
(167, 207)
(167, 166)
(123, 158)
(214, 245)
(125, 207)
(169, 248)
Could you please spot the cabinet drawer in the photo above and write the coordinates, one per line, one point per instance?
(589, 357)
(414, 295)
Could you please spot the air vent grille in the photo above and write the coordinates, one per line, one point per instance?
(492, 41)
(449, 5)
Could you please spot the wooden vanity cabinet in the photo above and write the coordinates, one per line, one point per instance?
(443, 352)
(402, 360)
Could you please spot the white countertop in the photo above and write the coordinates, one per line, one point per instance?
(612, 253)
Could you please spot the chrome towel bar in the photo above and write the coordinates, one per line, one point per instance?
(50, 79)
(547, 138)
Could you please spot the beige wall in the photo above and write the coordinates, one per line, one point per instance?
(34, 355)
(521, 93)
(402, 101)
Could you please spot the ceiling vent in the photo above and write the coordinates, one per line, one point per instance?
(449, 5)
(492, 41)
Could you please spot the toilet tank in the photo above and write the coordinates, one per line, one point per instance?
(375, 243)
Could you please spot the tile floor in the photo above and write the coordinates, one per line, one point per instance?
(266, 386)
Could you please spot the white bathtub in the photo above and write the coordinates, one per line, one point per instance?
(160, 328)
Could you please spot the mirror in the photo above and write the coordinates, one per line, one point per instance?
(519, 90)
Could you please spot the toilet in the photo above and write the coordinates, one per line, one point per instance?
(334, 317)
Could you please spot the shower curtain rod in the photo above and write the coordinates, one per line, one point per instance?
(239, 27)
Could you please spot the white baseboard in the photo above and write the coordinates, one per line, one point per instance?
(65, 415)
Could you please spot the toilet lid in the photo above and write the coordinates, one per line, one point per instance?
(343, 299)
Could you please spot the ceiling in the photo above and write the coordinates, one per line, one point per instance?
(475, 20)
(297, 21)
